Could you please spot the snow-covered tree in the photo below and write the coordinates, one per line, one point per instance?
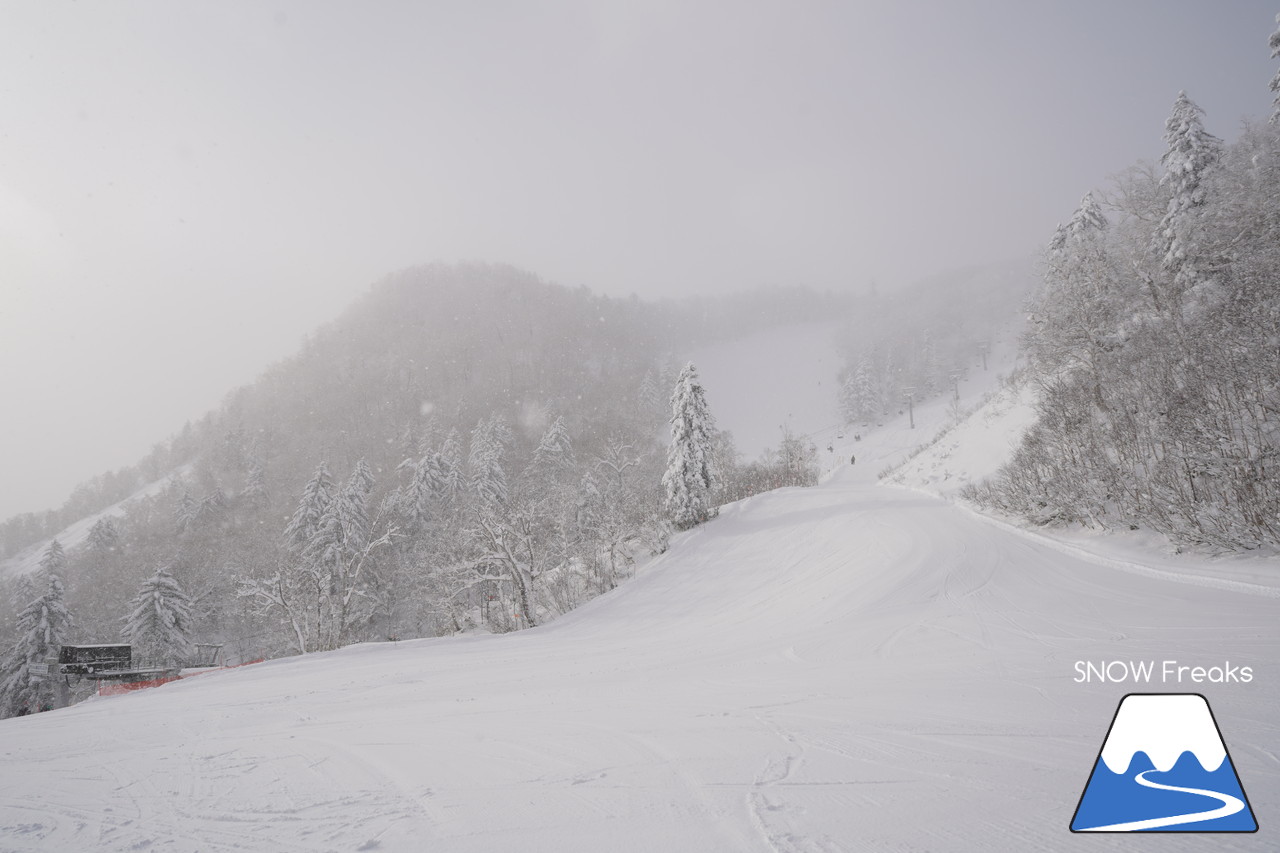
(555, 452)
(488, 446)
(1079, 297)
(53, 562)
(1154, 353)
(319, 589)
(186, 512)
(426, 487)
(587, 506)
(212, 507)
(1274, 43)
(104, 536)
(451, 468)
(1086, 221)
(316, 497)
(343, 529)
(691, 476)
(859, 402)
(1191, 151)
(254, 493)
(43, 626)
(158, 627)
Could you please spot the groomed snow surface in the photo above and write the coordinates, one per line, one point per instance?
(842, 668)
(845, 667)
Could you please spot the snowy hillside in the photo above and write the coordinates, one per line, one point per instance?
(957, 452)
(76, 533)
(804, 673)
(972, 448)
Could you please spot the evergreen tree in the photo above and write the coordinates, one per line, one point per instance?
(321, 591)
(691, 474)
(159, 625)
(104, 536)
(255, 492)
(451, 468)
(1079, 297)
(488, 480)
(587, 506)
(43, 626)
(211, 508)
(555, 452)
(859, 402)
(1087, 220)
(343, 530)
(186, 512)
(1191, 152)
(1274, 43)
(53, 563)
(316, 497)
(426, 486)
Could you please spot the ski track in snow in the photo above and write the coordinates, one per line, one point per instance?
(839, 668)
(842, 668)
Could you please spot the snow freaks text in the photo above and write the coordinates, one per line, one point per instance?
(1161, 672)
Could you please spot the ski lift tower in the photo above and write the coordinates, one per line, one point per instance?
(909, 392)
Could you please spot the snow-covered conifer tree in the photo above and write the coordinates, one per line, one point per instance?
(158, 627)
(104, 536)
(316, 497)
(1275, 81)
(488, 480)
(212, 507)
(53, 563)
(1087, 219)
(43, 625)
(343, 530)
(587, 506)
(426, 486)
(319, 591)
(1191, 151)
(1079, 295)
(186, 512)
(255, 493)
(555, 451)
(858, 400)
(451, 467)
(691, 474)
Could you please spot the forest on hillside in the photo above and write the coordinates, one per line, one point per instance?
(1155, 346)
(465, 448)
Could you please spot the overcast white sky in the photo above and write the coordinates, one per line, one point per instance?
(188, 188)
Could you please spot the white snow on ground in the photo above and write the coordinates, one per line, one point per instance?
(28, 560)
(972, 449)
(842, 668)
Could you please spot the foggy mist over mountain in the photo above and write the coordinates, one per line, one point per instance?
(186, 191)
(642, 426)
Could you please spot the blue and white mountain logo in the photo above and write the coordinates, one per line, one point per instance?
(1164, 768)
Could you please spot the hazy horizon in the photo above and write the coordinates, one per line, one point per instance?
(186, 191)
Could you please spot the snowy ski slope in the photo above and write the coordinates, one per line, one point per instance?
(846, 667)
(74, 534)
